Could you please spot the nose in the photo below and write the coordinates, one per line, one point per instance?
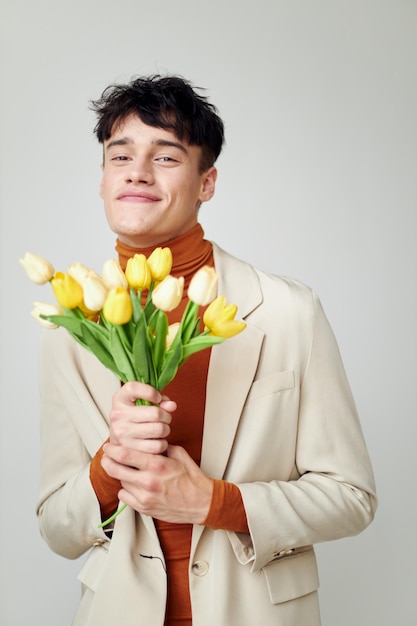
(139, 171)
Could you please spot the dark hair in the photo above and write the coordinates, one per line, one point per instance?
(164, 102)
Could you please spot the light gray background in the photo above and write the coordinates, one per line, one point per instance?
(317, 181)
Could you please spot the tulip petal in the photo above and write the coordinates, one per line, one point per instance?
(118, 308)
(67, 290)
(113, 275)
(138, 273)
(203, 286)
(160, 263)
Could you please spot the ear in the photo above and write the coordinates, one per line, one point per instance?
(208, 185)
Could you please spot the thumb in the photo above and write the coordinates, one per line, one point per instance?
(178, 453)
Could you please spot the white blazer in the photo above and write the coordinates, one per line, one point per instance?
(280, 422)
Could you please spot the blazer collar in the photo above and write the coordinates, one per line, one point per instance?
(238, 281)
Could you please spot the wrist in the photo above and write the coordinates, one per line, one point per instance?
(205, 501)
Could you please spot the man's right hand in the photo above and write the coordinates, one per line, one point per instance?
(142, 427)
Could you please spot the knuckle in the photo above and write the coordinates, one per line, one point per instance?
(160, 430)
(150, 487)
(116, 414)
(157, 465)
(124, 455)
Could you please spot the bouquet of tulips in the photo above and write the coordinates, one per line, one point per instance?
(129, 334)
(105, 314)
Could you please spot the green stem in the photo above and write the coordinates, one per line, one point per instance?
(113, 517)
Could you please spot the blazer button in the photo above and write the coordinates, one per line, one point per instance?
(99, 542)
(200, 568)
(283, 553)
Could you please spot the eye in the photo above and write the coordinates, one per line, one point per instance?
(167, 160)
(120, 158)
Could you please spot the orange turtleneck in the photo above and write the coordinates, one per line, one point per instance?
(190, 252)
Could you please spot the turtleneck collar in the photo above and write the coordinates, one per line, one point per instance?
(190, 251)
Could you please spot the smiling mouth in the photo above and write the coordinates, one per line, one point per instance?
(137, 197)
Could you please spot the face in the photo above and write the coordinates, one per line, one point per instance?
(151, 184)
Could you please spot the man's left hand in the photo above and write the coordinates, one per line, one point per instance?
(171, 488)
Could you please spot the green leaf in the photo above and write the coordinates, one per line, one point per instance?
(188, 321)
(149, 309)
(171, 364)
(159, 330)
(124, 332)
(141, 353)
(199, 343)
(89, 335)
(136, 305)
(120, 354)
(74, 321)
(101, 333)
(152, 371)
(196, 329)
(72, 324)
(101, 351)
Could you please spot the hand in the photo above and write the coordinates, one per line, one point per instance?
(141, 427)
(171, 488)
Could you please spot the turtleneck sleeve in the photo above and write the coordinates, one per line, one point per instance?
(227, 511)
(105, 487)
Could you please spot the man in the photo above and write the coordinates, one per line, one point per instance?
(250, 456)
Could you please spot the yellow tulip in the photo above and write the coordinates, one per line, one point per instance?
(117, 308)
(138, 273)
(67, 290)
(113, 275)
(219, 319)
(167, 295)
(203, 286)
(43, 308)
(160, 263)
(95, 292)
(38, 269)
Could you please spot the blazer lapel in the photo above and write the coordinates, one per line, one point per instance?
(229, 379)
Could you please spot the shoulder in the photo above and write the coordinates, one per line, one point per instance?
(241, 276)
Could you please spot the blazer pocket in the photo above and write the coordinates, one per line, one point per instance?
(292, 576)
(274, 383)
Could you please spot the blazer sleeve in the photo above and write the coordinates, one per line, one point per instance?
(333, 494)
(72, 429)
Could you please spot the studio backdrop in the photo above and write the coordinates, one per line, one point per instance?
(317, 181)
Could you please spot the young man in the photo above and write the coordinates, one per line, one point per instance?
(252, 454)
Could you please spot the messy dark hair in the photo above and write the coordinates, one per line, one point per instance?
(169, 102)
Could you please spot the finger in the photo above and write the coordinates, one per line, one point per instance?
(119, 471)
(146, 445)
(168, 405)
(139, 422)
(131, 458)
(133, 390)
(133, 435)
(178, 453)
(141, 413)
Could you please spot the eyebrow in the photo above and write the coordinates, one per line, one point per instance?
(125, 141)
